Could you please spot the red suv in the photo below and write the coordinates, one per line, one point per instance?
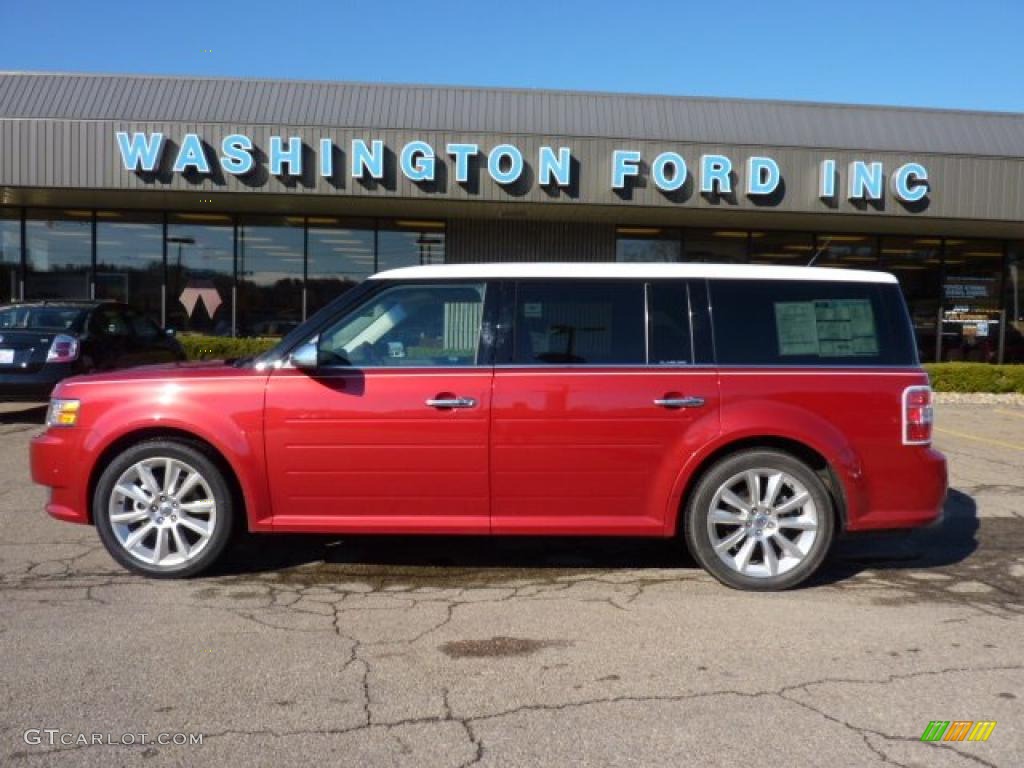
(755, 412)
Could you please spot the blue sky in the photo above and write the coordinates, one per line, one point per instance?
(938, 53)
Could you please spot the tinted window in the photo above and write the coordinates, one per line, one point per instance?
(142, 327)
(108, 321)
(411, 325)
(668, 312)
(772, 322)
(596, 323)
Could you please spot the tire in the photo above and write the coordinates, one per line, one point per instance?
(178, 495)
(741, 544)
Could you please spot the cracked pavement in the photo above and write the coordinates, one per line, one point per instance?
(447, 651)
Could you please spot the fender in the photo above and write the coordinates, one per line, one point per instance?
(751, 419)
(236, 433)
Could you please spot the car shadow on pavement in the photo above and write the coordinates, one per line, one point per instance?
(28, 414)
(267, 552)
(942, 544)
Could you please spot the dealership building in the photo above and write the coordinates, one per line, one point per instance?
(234, 206)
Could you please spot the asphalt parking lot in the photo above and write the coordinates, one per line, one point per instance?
(457, 652)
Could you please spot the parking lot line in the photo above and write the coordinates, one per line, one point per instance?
(967, 436)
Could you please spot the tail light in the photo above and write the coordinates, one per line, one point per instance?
(917, 415)
(64, 349)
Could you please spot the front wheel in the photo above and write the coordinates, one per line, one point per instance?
(760, 520)
(163, 509)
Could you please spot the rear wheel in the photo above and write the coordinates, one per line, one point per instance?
(162, 508)
(760, 520)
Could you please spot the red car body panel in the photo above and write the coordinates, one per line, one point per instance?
(362, 451)
(545, 451)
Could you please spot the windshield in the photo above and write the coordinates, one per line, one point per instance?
(42, 318)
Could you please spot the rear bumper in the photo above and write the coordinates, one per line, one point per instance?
(52, 460)
(24, 387)
(924, 482)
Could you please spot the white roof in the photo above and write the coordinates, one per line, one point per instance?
(637, 270)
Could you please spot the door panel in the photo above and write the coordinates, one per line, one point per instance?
(362, 451)
(588, 452)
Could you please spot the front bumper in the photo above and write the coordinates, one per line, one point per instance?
(54, 463)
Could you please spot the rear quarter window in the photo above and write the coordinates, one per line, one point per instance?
(786, 323)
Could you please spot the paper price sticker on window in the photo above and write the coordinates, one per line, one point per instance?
(826, 328)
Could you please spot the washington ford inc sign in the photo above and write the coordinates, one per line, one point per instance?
(504, 163)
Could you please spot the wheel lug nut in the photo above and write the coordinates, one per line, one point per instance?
(174, 518)
(159, 519)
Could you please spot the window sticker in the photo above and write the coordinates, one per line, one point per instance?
(826, 328)
(533, 309)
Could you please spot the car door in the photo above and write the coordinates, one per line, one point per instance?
(597, 404)
(389, 432)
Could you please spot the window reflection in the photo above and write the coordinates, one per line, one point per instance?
(720, 246)
(647, 244)
(340, 255)
(916, 262)
(408, 243)
(130, 260)
(269, 276)
(971, 301)
(10, 253)
(59, 254)
(1014, 304)
(200, 273)
(793, 249)
(850, 251)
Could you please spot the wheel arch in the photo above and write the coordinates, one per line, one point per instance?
(811, 456)
(136, 436)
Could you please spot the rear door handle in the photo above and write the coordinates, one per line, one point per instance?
(452, 402)
(680, 402)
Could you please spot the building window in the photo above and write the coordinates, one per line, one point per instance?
(340, 254)
(270, 276)
(59, 264)
(10, 254)
(200, 273)
(851, 251)
(720, 246)
(130, 260)
(408, 243)
(793, 249)
(647, 244)
(971, 300)
(917, 264)
(1013, 344)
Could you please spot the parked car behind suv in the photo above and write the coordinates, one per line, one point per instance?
(755, 412)
(42, 343)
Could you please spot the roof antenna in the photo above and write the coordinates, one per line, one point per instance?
(818, 252)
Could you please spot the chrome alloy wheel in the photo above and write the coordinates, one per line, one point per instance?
(162, 512)
(762, 522)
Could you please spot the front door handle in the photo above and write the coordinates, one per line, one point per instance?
(679, 401)
(452, 402)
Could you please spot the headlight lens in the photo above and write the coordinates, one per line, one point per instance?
(63, 413)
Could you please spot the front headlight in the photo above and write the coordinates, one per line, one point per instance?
(63, 413)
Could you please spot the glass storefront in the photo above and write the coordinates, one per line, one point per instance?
(972, 302)
(260, 276)
(340, 254)
(10, 254)
(59, 254)
(1014, 303)
(270, 276)
(200, 273)
(130, 260)
(648, 244)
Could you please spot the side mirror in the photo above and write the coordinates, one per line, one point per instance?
(170, 332)
(306, 356)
